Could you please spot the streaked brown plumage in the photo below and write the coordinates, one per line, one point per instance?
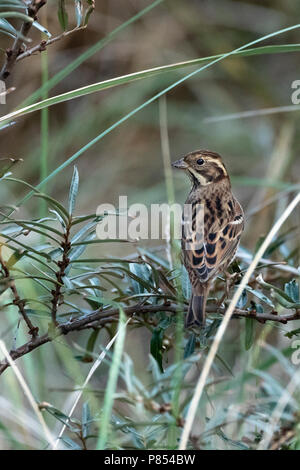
(210, 247)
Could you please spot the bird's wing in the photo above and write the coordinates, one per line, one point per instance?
(204, 256)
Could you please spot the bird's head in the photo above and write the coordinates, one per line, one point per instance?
(203, 167)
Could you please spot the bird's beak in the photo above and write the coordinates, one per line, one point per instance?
(180, 164)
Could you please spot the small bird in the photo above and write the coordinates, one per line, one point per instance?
(210, 237)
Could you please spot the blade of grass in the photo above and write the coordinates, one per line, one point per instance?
(278, 411)
(252, 113)
(166, 156)
(44, 130)
(104, 85)
(93, 369)
(27, 393)
(222, 328)
(112, 383)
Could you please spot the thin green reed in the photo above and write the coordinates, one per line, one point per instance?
(112, 383)
(44, 132)
(174, 260)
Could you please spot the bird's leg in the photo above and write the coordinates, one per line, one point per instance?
(229, 281)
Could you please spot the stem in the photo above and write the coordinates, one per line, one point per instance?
(63, 264)
(32, 330)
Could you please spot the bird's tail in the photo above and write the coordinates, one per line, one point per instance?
(197, 306)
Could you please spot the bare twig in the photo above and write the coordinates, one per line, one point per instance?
(100, 318)
(16, 50)
(44, 44)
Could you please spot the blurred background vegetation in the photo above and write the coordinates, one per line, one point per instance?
(240, 107)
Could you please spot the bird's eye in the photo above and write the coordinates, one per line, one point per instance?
(200, 161)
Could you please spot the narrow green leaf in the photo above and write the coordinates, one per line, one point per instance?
(190, 346)
(89, 11)
(260, 295)
(41, 28)
(62, 14)
(57, 205)
(86, 419)
(78, 12)
(292, 290)
(70, 443)
(15, 14)
(156, 346)
(73, 190)
(242, 300)
(77, 252)
(186, 284)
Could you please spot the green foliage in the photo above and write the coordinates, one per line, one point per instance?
(84, 288)
(79, 291)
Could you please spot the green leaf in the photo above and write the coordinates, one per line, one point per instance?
(89, 11)
(70, 443)
(71, 423)
(41, 28)
(78, 12)
(277, 293)
(260, 295)
(156, 343)
(73, 190)
(62, 14)
(284, 302)
(140, 277)
(186, 284)
(292, 333)
(156, 346)
(59, 207)
(242, 300)
(15, 14)
(76, 252)
(86, 419)
(90, 346)
(292, 290)
(190, 346)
